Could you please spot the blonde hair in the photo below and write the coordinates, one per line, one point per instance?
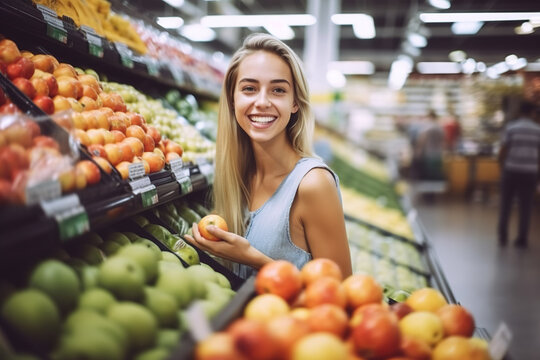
(234, 163)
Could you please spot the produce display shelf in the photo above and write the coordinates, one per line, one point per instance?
(76, 49)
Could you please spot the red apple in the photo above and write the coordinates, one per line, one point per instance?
(123, 169)
(108, 137)
(171, 156)
(118, 136)
(64, 69)
(88, 103)
(362, 289)
(160, 153)
(135, 118)
(89, 92)
(80, 179)
(45, 103)
(359, 313)
(97, 150)
(103, 163)
(96, 136)
(279, 277)
(23, 67)
(328, 318)
(317, 268)
(154, 133)
(377, 335)
(137, 145)
(9, 52)
(117, 123)
(325, 290)
(46, 63)
(67, 86)
(46, 141)
(127, 151)
(252, 339)
(148, 143)
(135, 131)
(400, 309)
(90, 81)
(82, 136)
(61, 103)
(25, 86)
(41, 86)
(415, 348)
(102, 119)
(90, 170)
(174, 147)
(218, 346)
(19, 133)
(456, 320)
(113, 101)
(285, 331)
(9, 108)
(67, 180)
(26, 54)
(156, 163)
(114, 153)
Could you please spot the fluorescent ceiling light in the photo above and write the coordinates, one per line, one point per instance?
(468, 66)
(175, 3)
(170, 22)
(517, 64)
(466, 27)
(353, 67)
(440, 4)
(363, 25)
(525, 28)
(216, 21)
(336, 79)
(399, 72)
(280, 30)
(441, 67)
(478, 16)
(535, 66)
(417, 40)
(457, 55)
(198, 33)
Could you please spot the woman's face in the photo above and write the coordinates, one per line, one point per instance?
(264, 96)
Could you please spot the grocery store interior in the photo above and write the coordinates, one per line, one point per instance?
(411, 99)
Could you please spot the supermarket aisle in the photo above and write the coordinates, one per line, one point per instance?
(496, 284)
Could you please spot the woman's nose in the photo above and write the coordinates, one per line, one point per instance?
(262, 100)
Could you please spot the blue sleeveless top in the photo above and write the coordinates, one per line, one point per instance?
(268, 227)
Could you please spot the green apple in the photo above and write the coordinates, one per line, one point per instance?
(168, 338)
(142, 255)
(186, 252)
(223, 281)
(90, 344)
(153, 354)
(123, 277)
(163, 305)
(110, 247)
(57, 280)
(92, 238)
(169, 256)
(150, 244)
(96, 299)
(177, 282)
(138, 322)
(118, 237)
(159, 232)
(140, 220)
(132, 236)
(218, 294)
(89, 276)
(86, 320)
(90, 254)
(201, 275)
(33, 317)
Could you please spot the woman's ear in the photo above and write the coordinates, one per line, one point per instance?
(294, 109)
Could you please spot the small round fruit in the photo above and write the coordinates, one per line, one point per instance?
(212, 219)
(423, 325)
(279, 277)
(320, 346)
(317, 268)
(426, 299)
(266, 307)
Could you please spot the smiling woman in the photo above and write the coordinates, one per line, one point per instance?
(279, 200)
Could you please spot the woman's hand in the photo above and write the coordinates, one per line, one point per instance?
(231, 246)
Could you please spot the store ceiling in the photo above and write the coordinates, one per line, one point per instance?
(392, 18)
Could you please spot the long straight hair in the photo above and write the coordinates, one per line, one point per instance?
(234, 162)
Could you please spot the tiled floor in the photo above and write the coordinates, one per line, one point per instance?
(495, 284)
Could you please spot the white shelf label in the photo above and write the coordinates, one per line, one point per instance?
(45, 190)
(500, 342)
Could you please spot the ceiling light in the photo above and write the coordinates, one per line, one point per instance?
(440, 4)
(399, 71)
(525, 28)
(216, 21)
(336, 79)
(481, 66)
(517, 64)
(457, 55)
(468, 66)
(363, 25)
(280, 30)
(198, 33)
(353, 67)
(478, 16)
(417, 40)
(175, 3)
(438, 67)
(466, 27)
(170, 22)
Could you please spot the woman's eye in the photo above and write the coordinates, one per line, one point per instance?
(248, 89)
(279, 90)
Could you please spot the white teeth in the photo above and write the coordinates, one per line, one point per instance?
(262, 119)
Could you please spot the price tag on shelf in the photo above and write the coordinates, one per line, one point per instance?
(207, 170)
(141, 184)
(499, 344)
(198, 323)
(177, 74)
(181, 173)
(70, 215)
(55, 26)
(125, 54)
(95, 42)
(44, 190)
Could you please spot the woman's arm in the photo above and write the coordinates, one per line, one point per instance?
(321, 213)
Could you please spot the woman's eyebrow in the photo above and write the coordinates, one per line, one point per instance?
(250, 80)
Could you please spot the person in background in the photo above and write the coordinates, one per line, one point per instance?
(429, 148)
(519, 158)
(452, 132)
(278, 199)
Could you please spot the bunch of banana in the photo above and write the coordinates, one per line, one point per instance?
(78, 10)
(119, 29)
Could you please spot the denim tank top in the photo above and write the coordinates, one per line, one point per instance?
(268, 227)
